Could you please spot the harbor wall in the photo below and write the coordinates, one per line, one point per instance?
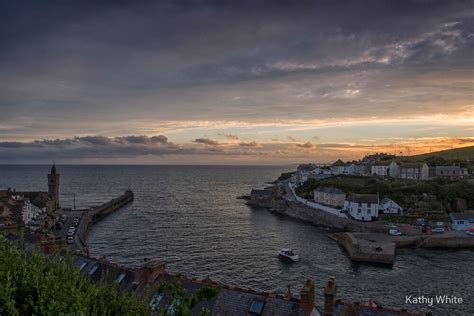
(323, 218)
(98, 213)
(113, 205)
(377, 252)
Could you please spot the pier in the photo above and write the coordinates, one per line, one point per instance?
(94, 215)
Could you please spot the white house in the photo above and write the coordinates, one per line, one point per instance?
(462, 221)
(389, 206)
(362, 207)
(385, 168)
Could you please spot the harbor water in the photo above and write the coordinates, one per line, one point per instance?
(191, 217)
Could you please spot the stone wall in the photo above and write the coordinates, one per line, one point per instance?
(323, 218)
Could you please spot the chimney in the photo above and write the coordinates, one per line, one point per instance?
(330, 296)
(307, 297)
(149, 271)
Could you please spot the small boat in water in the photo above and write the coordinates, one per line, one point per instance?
(287, 254)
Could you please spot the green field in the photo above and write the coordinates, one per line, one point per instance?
(457, 154)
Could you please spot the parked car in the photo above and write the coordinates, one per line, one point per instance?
(70, 240)
(394, 232)
(470, 232)
(438, 230)
(421, 222)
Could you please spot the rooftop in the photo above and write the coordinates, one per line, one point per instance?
(363, 198)
(330, 190)
(466, 215)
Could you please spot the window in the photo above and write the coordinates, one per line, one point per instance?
(460, 222)
(368, 211)
(82, 266)
(93, 269)
(256, 307)
(155, 301)
(121, 277)
(359, 211)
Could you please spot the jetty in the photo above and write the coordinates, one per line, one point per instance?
(96, 214)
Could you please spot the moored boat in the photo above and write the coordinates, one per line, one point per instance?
(288, 255)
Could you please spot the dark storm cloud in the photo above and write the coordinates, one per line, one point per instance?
(96, 147)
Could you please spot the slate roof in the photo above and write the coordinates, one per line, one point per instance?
(356, 309)
(231, 302)
(329, 190)
(382, 163)
(466, 215)
(416, 165)
(363, 198)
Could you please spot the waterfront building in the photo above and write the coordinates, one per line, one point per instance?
(414, 170)
(362, 207)
(329, 196)
(462, 221)
(389, 206)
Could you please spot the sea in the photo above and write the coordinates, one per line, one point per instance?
(190, 216)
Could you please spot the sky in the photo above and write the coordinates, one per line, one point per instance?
(233, 82)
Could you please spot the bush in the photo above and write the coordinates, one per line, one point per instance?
(33, 284)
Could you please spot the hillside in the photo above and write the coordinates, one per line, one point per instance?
(457, 154)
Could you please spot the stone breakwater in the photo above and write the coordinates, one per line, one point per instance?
(381, 248)
(98, 213)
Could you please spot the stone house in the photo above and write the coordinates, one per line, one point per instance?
(414, 170)
(385, 168)
(329, 196)
(451, 172)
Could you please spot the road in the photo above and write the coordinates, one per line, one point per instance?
(70, 215)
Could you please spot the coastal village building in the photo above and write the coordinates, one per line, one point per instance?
(385, 168)
(362, 207)
(388, 206)
(329, 196)
(414, 170)
(20, 208)
(450, 172)
(462, 221)
(340, 167)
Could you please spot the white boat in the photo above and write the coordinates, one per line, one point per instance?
(287, 254)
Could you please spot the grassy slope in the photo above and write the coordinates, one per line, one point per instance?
(464, 153)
